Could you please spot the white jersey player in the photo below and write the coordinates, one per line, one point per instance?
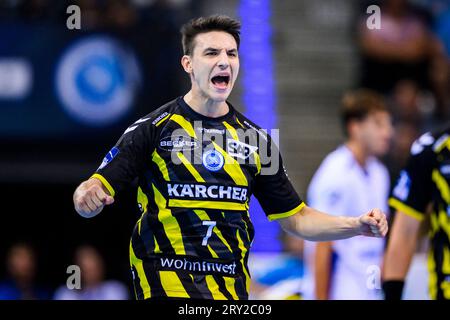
(350, 180)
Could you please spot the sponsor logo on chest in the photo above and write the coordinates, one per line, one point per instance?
(209, 192)
(178, 143)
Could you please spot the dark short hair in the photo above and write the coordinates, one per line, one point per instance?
(358, 104)
(206, 24)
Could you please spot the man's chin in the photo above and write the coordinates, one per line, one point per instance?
(219, 97)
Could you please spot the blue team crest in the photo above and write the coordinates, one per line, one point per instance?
(109, 156)
(213, 160)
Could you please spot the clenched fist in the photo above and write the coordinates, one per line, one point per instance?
(90, 197)
(373, 224)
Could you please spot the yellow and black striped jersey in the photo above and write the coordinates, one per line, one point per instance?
(196, 175)
(425, 180)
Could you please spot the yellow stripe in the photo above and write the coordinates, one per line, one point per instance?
(105, 183)
(204, 216)
(161, 165)
(258, 162)
(229, 283)
(142, 199)
(400, 206)
(243, 252)
(434, 223)
(170, 224)
(186, 125)
(237, 120)
(445, 286)
(432, 285)
(190, 167)
(441, 184)
(214, 288)
(213, 253)
(446, 261)
(137, 263)
(276, 216)
(163, 119)
(196, 204)
(232, 130)
(232, 167)
(172, 284)
(139, 226)
(445, 143)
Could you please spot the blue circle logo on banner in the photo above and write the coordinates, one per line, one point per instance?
(96, 80)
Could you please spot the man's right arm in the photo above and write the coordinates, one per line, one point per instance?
(120, 166)
(401, 247)
(90, 197)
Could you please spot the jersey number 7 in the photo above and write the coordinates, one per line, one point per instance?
(211, 225)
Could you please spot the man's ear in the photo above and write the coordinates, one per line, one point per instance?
(353, 127)
(186, 63)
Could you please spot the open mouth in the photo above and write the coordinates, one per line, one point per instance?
(221, 81)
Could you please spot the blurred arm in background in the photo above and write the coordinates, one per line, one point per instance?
(400, 250)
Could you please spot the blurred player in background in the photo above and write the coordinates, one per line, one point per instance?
(197, 161)
(21, 268)
(422, 190)
(351, 180)
(93, 283)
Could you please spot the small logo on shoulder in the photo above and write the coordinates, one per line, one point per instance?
(109, 157)
(401, 190)
(213, 160)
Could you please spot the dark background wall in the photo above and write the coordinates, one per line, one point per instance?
(45, 151)
(43, 215)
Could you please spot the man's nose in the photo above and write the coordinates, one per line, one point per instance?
(223, 61)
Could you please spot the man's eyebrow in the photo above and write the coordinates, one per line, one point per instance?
(216, 49)
(210, 49)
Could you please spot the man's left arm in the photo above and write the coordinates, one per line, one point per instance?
(313, 225)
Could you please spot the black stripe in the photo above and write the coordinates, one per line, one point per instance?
(139, 293)
(137, 242)
(250, 230)
(196, 289)
(239, 287)
(145, 240)
(154, 280)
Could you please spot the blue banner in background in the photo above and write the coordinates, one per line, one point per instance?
(259, 98)
(96, 80)
(56, 83)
